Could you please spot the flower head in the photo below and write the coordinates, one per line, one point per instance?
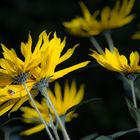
(14, 71)
(62, 103)
(89, 25)
(52, 58)
(11, 66)
(113, 61)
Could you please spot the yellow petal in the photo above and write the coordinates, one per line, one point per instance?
(29, 113)
(129, 6)
(69, 97)
(6, 65)
(7, 106)
(25, 49)
(52, 97)
(9, 54)
(80, 95)
(105, 15)
(33, 130)
(134, 59)
(18, 104)
(72, 91)
(136, 35)
(126, 20)
(39, 106)
(38, 45)
(85, 11)
(66, 90)
(123, 61)
(109, 60)
(123, 7)
(58, 92)
(65, 71)
(67, 55)
(5, 79)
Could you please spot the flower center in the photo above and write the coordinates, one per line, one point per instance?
(131, 76)
(21, 78)
(43, 83)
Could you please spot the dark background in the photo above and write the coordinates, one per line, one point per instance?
(110, 114)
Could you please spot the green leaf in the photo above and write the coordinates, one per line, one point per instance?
(81, 104)
(116, 135)
(109, 137)
(90, 137)
(121, 133)
(134, 112)
(103, 138)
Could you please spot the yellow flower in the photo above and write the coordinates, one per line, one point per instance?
(13, 70)
(115, 62)
(71, 97)
(52, 58)
(12, 66)
(90, 25)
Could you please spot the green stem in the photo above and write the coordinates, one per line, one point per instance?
(96, 44)
(133, 93)
(109, 40)
(45, 94)
(37, 110)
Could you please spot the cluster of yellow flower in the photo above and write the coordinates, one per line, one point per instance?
(38, 69)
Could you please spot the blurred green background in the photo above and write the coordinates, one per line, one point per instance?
(110, 114)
